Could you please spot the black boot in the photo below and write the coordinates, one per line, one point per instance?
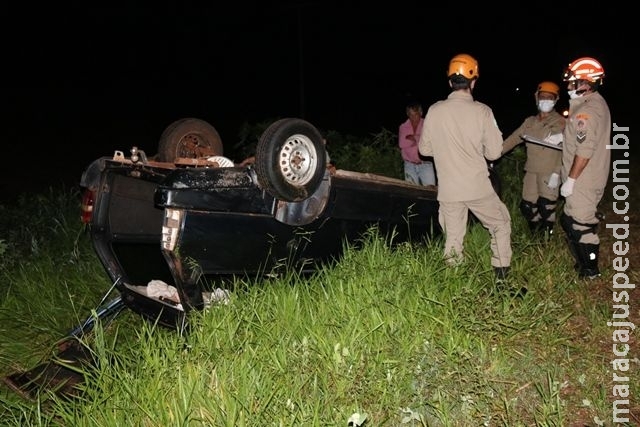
(573, 249)
(588, 260)
(541, 229)
(572, 237)
(547, 212)
(534, 227)
(501, 273)
(545, 231)
(529, 211)
(503, 287)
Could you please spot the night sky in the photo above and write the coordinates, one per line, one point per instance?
(81, 82)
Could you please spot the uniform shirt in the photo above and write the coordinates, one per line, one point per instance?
(586, 134)
(542, 160)
(409, 148)
(460, 134)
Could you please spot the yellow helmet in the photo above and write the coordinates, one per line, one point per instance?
(550, 87)
(585, 68)
(463, 65)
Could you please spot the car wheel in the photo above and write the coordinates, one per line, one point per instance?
(290, 159)
(189, 138)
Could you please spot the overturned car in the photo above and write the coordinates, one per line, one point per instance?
(174, 229)
(190, 222)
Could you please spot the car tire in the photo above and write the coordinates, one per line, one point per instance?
(189, 138)
(290, 159)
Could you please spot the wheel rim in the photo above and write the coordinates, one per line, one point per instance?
(297, 160)
(188, 146)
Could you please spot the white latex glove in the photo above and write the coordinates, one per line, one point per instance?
(554, 181)
(567, 188)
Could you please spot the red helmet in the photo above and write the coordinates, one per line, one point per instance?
(585, 68)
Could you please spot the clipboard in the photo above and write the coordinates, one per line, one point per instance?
(541, 142)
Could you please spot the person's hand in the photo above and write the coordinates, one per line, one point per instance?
(567, 188)
(554, 181)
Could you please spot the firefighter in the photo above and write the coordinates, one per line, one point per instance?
(541, 182)
(462, 134)
(585, 162)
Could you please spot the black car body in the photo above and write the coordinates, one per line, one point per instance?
(191, 227)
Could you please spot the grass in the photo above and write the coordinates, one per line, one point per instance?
(389, 334)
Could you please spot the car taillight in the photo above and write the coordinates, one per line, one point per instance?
(86, 206)
(170, 228)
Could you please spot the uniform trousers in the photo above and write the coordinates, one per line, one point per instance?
(582, 206)
(535, 185)
(492, 214)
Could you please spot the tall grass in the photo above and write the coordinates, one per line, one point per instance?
(389, 333)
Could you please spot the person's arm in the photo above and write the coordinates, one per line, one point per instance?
(578, 165)
(587, 141)
(403, 140)
(425, 148)
(408, 143)
(586, 148)
(492, 137)
(514, 139)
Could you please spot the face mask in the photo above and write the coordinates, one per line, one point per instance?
(546, 105)
(573, 94)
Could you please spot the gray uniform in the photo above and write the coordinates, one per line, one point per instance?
(461, 134)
